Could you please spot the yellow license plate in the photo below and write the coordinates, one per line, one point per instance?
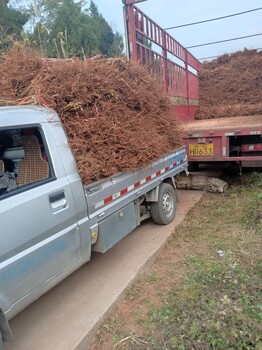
(201, 150)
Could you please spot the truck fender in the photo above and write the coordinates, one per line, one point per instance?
(153, 195)
(172, 182)
(4, 327)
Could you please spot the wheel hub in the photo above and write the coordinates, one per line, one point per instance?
(167, 204)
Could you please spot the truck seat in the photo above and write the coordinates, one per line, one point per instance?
(33, 167)
(2, 166)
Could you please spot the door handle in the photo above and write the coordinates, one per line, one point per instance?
(58, 201)
(54, 197)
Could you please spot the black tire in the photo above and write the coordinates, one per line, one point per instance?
(164, 211)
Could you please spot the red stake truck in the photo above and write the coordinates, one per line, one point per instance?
(236, 139)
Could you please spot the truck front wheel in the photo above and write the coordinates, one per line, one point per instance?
(163, 211)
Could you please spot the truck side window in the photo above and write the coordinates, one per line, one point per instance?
(23, 159)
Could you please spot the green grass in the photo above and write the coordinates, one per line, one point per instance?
(219, 306)
(153, 278)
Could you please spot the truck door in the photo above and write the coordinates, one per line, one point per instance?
(39, 237)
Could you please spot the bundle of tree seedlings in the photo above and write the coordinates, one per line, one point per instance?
(116, 116)
(231, 85)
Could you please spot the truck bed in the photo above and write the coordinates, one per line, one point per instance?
(106, 196)
(223, 123)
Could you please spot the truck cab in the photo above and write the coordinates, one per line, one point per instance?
(42, 208)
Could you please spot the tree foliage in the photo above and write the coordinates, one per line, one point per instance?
(66, 28)
(11, 24)
(59, 28)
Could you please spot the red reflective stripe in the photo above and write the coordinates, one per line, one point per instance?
(108, 199)
(123, 191)
(148, 178)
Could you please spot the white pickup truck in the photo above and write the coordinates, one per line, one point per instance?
(50, 221)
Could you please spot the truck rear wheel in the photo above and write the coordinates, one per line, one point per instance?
(163, 211)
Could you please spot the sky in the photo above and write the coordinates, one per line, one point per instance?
(168, 13)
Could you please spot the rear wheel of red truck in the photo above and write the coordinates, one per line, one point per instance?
(163, 211)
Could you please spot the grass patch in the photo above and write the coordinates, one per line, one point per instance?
(153, 278)
(216, 303)
(219, 306)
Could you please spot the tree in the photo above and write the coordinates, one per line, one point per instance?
(67, 28)
(93, 10)
(118, 46)
(11, 24)
(104, 31)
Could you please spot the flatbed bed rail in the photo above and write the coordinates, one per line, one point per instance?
(171, 63)
(105, 197)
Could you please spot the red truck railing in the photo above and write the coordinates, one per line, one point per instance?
(166, 58)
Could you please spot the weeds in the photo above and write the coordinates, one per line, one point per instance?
(218, 307)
